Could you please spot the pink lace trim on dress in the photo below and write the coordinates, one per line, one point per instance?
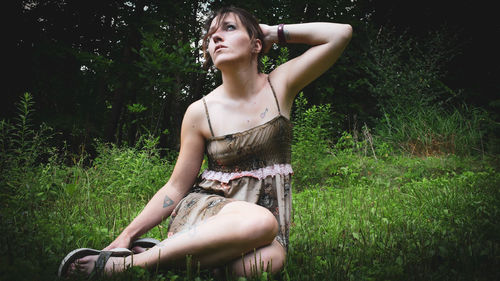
(276, 169)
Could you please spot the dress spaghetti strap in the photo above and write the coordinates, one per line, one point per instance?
(274, 93)
(208, 117)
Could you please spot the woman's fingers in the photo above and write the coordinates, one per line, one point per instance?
(265, 29)
(268, 40)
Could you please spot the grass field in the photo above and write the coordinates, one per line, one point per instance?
(360, 217)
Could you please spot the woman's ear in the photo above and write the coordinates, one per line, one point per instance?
(257, 46)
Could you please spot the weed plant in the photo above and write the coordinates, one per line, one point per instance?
(311, 137)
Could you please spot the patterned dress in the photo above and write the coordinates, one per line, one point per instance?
(253, 166)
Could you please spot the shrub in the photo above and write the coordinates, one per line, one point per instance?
(405, 73)
(21, 144)
(312, 134)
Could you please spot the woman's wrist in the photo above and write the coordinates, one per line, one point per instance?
(270, 33)
(280, 34)
(129, 233)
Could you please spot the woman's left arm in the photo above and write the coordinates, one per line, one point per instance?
(328, 41)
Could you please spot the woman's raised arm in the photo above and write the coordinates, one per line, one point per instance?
(183, 177)
(328, 41)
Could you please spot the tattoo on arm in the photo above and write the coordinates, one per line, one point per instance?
(167, 202)
(263, 114)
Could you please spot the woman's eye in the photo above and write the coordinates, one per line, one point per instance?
(230, 27)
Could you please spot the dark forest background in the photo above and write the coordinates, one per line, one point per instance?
(115, 70)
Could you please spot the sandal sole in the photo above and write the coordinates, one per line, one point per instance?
(83, 252)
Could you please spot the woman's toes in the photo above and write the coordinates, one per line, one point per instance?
(83, 265)
(138, 249)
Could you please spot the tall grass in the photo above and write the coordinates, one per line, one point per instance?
(435, 131)
(423, 226)
(357, 215)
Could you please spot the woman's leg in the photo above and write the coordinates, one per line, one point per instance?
(238, 228)
(271, 257)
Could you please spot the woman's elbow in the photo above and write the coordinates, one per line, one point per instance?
(341, 34)
(347, 32)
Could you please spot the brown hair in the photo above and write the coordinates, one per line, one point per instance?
(248, 21)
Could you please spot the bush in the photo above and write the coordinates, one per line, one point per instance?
(21, 145)
(138, 171)
(312, 136)
(405, 73)
(419, 112)
(48, 208)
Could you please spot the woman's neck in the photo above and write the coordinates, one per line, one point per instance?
(241, 83)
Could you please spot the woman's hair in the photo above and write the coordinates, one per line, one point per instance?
(248, 21)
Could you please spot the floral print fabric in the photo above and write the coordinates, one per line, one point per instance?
(252, 166)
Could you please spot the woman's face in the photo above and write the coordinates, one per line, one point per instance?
(230, 42)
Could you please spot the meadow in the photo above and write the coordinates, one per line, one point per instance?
(361, 209)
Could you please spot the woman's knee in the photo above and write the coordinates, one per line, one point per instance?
(254, 222)
(261, 224)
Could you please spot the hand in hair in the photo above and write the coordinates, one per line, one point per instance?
(269, 37)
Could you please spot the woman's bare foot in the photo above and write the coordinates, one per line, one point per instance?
(87, 264)
(138, 249)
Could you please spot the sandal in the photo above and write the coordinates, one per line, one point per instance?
(144, 243)
(83, 252)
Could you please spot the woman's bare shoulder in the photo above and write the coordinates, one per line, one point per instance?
(196, 115)
(285, 96)
(197, 108)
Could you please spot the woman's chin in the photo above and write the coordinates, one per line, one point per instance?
(230, 63)
(222, 64)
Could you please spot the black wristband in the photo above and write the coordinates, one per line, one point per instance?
(281, 34)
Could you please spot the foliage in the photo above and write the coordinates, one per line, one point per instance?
(312, 137)
(405, 74)
(414, 226)
(138, 171)
(21, 144)
(362, 216)
(432, 130)
(420, 114)
(164, 73)
(268, 64)
(57, 208)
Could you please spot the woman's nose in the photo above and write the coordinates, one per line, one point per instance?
(216, 37)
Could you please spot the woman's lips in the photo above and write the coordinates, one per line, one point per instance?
(219, 47)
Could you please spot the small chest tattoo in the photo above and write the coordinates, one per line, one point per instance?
(263, 114)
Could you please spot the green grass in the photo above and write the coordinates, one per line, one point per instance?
(396, 218)
(432, 130)
(419, 226)
(360, 211)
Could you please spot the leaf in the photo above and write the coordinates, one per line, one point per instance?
(355, 235)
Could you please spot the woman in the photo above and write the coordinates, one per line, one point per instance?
(240, 207)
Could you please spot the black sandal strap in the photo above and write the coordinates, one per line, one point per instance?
(100, 264)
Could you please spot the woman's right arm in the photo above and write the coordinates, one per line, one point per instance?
(183, 177)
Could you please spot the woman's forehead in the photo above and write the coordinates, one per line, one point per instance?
(228, 17)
